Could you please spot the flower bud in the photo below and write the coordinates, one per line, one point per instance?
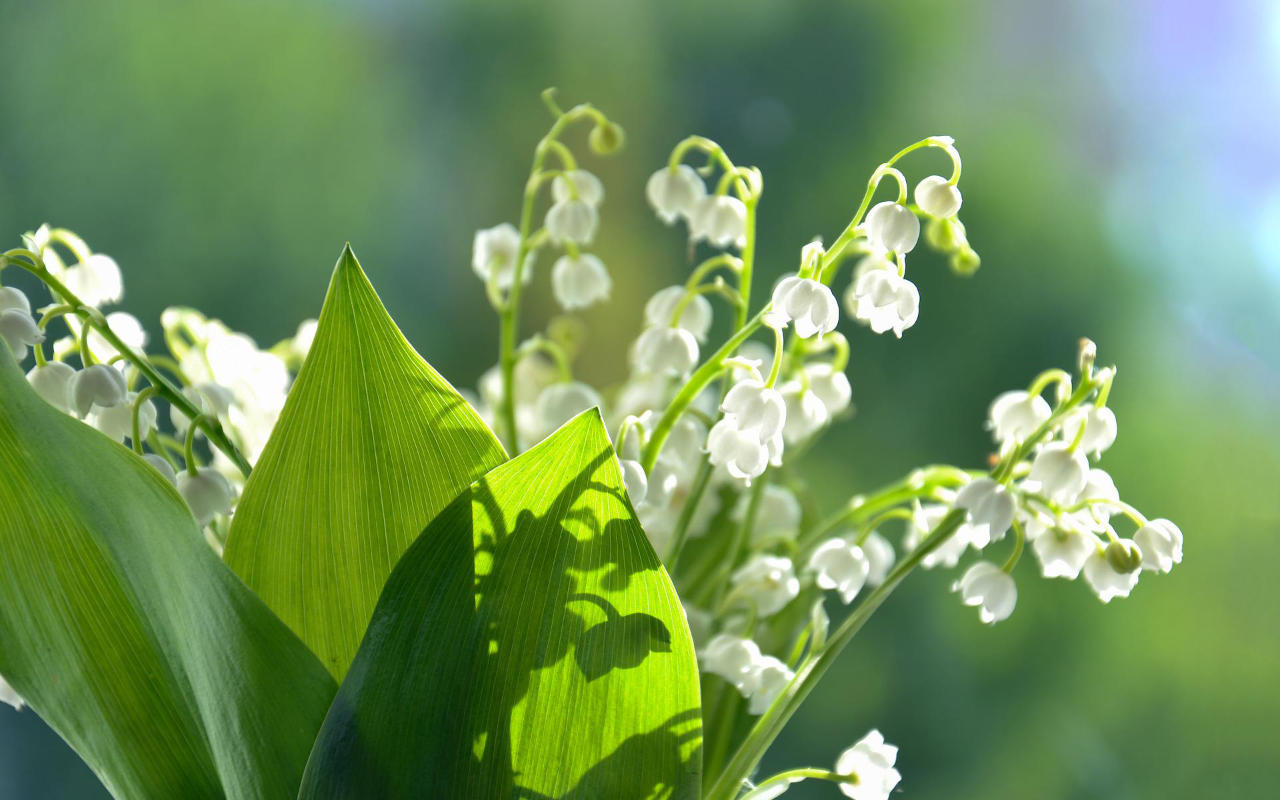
(579, 281)
(1124, 555)
(572, 221)
(97, 385)
(606, 138)
(588, 187)
(207, 493)
(964, 261)
(937, 197)
(52, 381)
(893, 227)
(19, 331)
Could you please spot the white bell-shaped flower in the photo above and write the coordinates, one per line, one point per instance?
(682, 451)
(755, 406)
(841, 566)
(740, 452)
(675, 193)
(808, 303)
(572, 221)
(10, 697)
(1099, 428)
(990, 505)
(19, 330)
(806, 413)
(733, 658)
(883, 300)
(117, 421)
(937, 197)
(161, 466)
(880, 558)
(1061, 550)
(634, 480)
(871, 762)
(1161, 544)
(1111, 575)
(770, 583)
(11, 298)
(1100, 493)
(589, 188)
(52, 381)
(207, 494)
(777, 516)
(721, 219)
(925, 519)
(1015, 415)
(1060, 471)
(695, 317)
(96, 282)
(893, 227)
(989, 588)
(830, 385)
(494, 252)
(97, 385)
(664, 350)
(578, 281)
(772, 678)
(561, 402)
(211, 399)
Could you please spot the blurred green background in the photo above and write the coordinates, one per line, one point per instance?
(1122, 181)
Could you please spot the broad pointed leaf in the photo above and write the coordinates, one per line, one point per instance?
(529, 645)
(372, 443)
(127, 634)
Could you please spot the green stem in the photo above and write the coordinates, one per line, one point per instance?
(137, 408)
(769, 725)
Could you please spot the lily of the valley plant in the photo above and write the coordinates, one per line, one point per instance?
(317, 570)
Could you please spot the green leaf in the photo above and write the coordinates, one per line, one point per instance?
(127, 634)
(529, 645)
(371, 445)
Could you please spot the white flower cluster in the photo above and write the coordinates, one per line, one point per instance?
(223, 374)
(677, 192)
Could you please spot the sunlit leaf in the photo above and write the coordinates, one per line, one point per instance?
(372, 443)
(528, 645)
(127, 634)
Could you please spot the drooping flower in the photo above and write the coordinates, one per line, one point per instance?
(755, 406)
(808, 303)
(675, 192)
(893, 227)
(664, 350)
(772, 677)
(1062, 550)
(125, 326)
(695, 317)
(1015, 415)
(1099, 428)
(19, 331)
(769, 581)
(163, 467)
(806, 413)
(990, 505)
(117, 421)
(721, 220)
(207, 494)
(1060, 471)
(588, 187)
(880, 558)
(635, 481)
(739, 451)
(830, 385)
(96, 281)
(561, 402)
(494, 253)
(1161, 544)
(989, 588)
(572, 221)
(884, 300)
(842, 566)
(578, 281)
(937, 197)
(97, 385)
(870, 765)
(11, 298)
(209, 398)
(52, 381)
(777, 516)
(1113, 571)
(733, 658)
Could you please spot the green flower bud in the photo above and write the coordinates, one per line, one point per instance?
(1124, 556)
(606, 138)
(965, 261)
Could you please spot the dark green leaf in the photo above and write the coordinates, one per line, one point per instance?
(125, 632)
